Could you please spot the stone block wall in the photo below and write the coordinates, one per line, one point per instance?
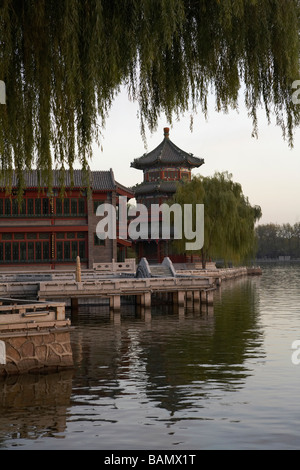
(40, 351)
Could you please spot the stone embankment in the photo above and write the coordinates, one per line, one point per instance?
(44, 351)
(228, 273)
(218, 274)
(34, 337)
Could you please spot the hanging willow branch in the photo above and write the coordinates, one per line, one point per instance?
(63, 62)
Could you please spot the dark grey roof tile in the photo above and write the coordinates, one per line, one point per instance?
(167, 152)
(157, 186)
(100, 180)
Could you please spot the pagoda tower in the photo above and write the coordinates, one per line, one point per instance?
(163, 168)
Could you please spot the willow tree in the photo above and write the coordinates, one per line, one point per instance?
(229, 218)
(63, 62)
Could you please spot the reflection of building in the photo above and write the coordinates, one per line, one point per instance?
(163, 168)
(49, 231)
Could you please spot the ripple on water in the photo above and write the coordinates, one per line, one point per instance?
(194, 381)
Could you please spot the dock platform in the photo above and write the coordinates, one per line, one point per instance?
(34, 337)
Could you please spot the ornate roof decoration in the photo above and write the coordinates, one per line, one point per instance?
(167, 153)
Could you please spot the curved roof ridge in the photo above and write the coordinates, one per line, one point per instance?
(100, 180)
(166, 153)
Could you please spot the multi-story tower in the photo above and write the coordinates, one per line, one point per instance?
(163, 168)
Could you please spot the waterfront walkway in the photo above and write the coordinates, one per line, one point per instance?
(114, 282)
(199, 288)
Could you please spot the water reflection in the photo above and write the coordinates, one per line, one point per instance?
(139, 367)
(34, 405)
(174, 358)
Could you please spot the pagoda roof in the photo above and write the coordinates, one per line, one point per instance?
(99, 181)
(167, 153)
(156, 187)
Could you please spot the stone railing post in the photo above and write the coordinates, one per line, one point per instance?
(78, 270)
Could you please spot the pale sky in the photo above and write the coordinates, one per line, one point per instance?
(267, 169)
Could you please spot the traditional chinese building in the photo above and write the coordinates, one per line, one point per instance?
(163, 168)
(49, 231)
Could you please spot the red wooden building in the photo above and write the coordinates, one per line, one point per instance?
(163, 168)
(50, 232)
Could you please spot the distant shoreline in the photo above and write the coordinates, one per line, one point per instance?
(276, 260)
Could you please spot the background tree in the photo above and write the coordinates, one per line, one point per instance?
(296, 239)
(276, 240)
(64, 61)
(267, 236)
(229, 219)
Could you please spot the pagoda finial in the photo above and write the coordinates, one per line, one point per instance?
(166, 132)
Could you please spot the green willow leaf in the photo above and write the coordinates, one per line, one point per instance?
(64, 62)
(229, 219)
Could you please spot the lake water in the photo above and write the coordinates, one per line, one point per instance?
(226, 378)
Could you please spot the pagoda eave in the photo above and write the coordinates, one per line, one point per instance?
(160, 187)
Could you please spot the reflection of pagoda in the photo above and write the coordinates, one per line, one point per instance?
(163, 167)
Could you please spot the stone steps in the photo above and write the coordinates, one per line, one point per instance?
(160, 271)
